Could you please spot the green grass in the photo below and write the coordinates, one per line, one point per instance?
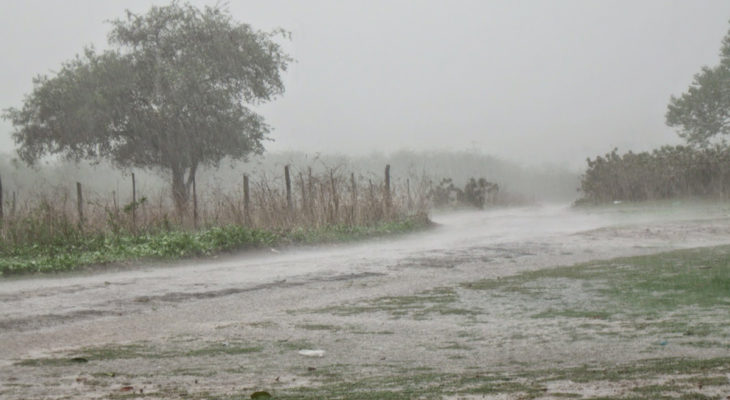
(648, 286)
(142, 351)
(78, 251)
(347, 233)
(650, 379)
(678, 298)
(439, 301)
(319, 327)
(526, 384)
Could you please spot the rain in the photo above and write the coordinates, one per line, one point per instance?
(364, 199)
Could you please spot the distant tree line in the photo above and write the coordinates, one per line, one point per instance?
(701, 117)
(664, 173)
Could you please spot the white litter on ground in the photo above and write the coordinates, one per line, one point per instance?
(312, 353)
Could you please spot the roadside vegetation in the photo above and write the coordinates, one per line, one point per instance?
(174, 92)
(55, 232)
(697, 169)
(666, 173)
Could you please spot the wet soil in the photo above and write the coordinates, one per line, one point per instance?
(236, 324)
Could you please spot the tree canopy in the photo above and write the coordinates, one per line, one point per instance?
(702, 114)
(172, 92)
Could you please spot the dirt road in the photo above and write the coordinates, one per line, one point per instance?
(237, 324)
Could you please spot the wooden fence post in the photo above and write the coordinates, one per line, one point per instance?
(353, 186)
(388, 200)
(408, 189)
(12, 206)
(195, 205)
(246, 201)
(287, 180)
(335, 198)
(353, 190)
(1, 199)
(310, 190)
(80, 204)
(304, 193)
(134, 204)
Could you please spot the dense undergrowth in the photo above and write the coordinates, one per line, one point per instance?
(666, 173)
(81, 251)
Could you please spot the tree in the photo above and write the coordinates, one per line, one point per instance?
(703, 112)
(171, 93)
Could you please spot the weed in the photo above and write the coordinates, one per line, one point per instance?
(174, 245)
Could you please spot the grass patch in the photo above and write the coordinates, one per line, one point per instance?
(98, 354)
(455, 346)
(290, 345)
(219, 349)
(349, 233)
(442, 300)
(686, 375)
(366, 332)
(140, 351)
(646, 369)
(646, 285)
(552, 313)
(78, 251)
(318, 327)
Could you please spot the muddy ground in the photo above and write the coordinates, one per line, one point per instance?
(432, 314)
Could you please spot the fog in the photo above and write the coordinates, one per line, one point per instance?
(455, 199)
(534, 82)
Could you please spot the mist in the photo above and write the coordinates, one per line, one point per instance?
(546, 83)
(364, 199)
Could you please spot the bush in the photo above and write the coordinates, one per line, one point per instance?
(665, 173)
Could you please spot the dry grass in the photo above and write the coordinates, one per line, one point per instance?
(49, 216)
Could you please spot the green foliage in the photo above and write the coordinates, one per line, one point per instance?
(345, 232)
(80, 251)
(665, 173)
(703, 112)
(170, 93)
(476, 193)
(133, 205)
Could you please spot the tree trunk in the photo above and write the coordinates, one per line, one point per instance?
(181, 187)
(180, 192)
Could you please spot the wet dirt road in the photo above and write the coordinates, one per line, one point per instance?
(272, 294)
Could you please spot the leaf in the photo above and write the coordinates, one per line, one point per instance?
(79, 360)
(126, 388)
(261, 395)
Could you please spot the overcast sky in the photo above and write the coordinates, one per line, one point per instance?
(533, 81)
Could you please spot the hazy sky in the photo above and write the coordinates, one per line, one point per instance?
(533, 81)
